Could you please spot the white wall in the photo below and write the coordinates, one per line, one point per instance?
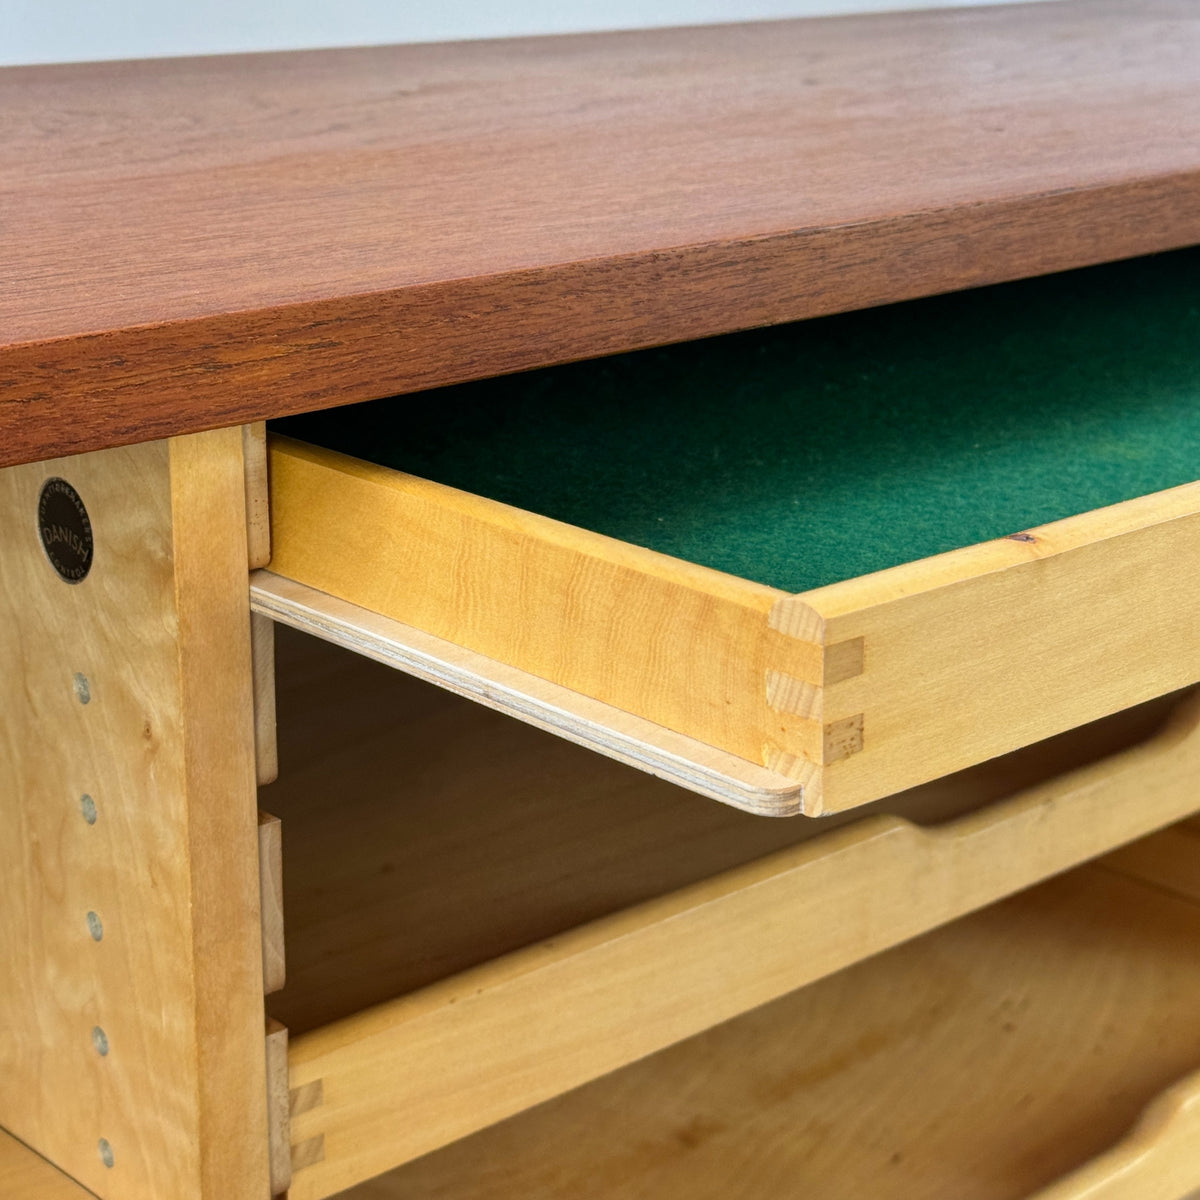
(76, 30)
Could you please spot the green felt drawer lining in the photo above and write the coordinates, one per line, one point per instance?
(809, 453)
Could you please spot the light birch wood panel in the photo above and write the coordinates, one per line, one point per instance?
(279, 1123)
(27, 1176)
(258, 515)
(984, 1061)
(390, 784)
(502, 1036)
(131, 1012)
(270, 890)
(857, 690)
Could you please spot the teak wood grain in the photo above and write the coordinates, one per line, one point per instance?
(202, 242)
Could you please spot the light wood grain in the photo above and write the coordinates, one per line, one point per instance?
(130, 918)
(680, 645)
(212, 639)
(570, 715)
(270, 868)
(1157, 1159)
(972, 653)
(27, 1176)
(984, 1061)
(266, 748)
(387, 780)
(856, 690)
(258, 516)
(279, 1122)
(317, 228)
(498, 1038)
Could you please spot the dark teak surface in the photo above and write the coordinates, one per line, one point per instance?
(191, 243)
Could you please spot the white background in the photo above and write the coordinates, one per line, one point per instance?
(76, 30)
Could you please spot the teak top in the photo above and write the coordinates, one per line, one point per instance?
(191, 243)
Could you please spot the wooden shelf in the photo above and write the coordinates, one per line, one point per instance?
(989, 1060)
(315, 230)
(497, 909)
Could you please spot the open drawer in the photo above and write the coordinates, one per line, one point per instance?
(1048, 1046)
(480, 917)
(850, 555)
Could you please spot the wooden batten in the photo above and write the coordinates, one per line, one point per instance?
(266, 744)
(279, 1120)
(258, 513)
(270, 868)
(497, 1039)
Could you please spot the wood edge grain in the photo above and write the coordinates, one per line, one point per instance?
(279, 1121)
(208, 498)
(266, 740)
(95, 389)
(270, 867)
(815, 608)
(258, 515)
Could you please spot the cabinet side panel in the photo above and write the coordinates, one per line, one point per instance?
(104, 929)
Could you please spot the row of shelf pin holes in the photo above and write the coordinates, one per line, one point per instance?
(90, 813)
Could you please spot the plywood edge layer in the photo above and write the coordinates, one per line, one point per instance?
(496, 1039)
(571, 715)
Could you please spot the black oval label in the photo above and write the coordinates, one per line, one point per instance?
(65, 530)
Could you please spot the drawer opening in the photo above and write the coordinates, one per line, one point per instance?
(1047, 1046)
(448, 871)
(853, 551)
(803, 455)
